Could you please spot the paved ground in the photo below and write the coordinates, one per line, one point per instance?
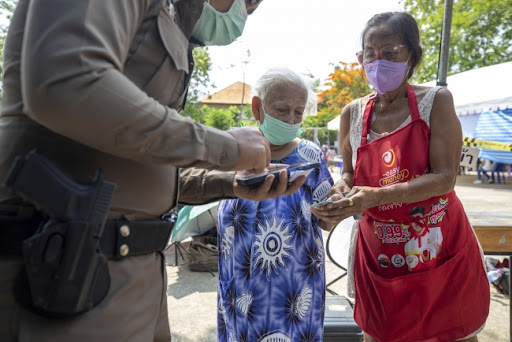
(192, 295)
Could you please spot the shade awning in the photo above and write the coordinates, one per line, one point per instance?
(478, 90)
(334, 124)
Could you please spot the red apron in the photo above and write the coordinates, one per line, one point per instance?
(418, 270)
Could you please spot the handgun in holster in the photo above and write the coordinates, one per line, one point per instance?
(65, 270)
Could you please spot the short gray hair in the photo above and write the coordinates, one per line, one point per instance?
(279, 75)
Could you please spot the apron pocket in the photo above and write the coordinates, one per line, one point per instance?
(426, 304)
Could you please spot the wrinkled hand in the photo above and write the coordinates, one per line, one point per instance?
(266, 191)
(335, 194)
(339, 189)
(253, 149)
(346, 204)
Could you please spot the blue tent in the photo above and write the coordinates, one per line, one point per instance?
(483, 103)
(495, 126)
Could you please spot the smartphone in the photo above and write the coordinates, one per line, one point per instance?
(320, 204)
(294, 171)
(304, 169)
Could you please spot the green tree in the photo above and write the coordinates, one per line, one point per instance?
(200, 77)
(200, 80)
(346, 83)
(6, 10)
(223, 119)
(481, 32)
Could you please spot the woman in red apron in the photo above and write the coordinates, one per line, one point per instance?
(417, 264)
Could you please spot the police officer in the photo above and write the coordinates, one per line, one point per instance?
(98, 84)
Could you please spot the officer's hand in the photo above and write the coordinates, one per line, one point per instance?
(266, 190)
(253, 149)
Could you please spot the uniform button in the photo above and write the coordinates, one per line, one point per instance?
(124, 230)
(124, 249)
(223, 158)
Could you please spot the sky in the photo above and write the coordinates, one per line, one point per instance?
(309, 36)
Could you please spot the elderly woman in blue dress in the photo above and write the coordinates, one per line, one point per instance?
(271, 254)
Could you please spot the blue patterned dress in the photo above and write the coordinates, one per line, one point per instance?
(271, 262)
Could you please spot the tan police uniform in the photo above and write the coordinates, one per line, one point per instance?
(97, 84)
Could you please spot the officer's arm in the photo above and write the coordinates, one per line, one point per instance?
(72, 81)
(199, 186)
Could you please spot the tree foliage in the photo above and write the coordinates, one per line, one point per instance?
(200, 76)
(223, 119)
(6, 10)
(481, 32)
(346, 83)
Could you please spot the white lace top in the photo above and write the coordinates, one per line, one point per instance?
(357, 113)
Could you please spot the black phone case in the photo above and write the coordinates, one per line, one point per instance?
(257, 180)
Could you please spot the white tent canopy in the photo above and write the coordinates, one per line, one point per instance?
(482, 89)
(334, 124)
(474, 91)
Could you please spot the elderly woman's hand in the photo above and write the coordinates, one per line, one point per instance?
(350, 203)
(339, 188)
(335, 194)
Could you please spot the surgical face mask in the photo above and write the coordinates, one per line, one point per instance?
(278, 132)
(216, 28)
(384, 75)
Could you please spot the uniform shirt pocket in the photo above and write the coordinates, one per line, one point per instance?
(159, 64)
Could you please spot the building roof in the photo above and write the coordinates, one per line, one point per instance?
(231, 95)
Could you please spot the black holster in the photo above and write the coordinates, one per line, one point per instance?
(65, 273)
(65, 259)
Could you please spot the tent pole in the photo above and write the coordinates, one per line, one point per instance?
(445, 43)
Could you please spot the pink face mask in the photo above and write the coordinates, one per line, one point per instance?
(384, 75)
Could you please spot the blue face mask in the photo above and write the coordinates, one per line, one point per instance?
(217, 28)
(278, 132)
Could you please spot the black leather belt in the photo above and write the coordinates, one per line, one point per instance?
(121, 238)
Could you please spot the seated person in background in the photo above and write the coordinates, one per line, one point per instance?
(325, 148)
(487, 166)
(271, 254)
(331, 159)
(497, 168)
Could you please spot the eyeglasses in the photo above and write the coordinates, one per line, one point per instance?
(389, 53)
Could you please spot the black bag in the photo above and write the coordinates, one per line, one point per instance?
(502, 283)
(339, 324)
